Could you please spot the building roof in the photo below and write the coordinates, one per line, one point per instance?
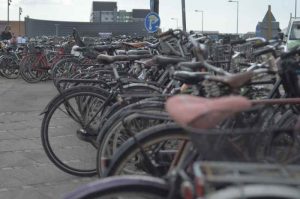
(140, 13)
(104, 6)
(269, 15)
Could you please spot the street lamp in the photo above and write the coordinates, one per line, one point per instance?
(295, 8)
(237, 15)
(176, 19)
(20, 13)
(8, 4)
(202, 17)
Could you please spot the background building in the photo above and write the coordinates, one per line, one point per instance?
(124, 16)
(269, 27)
(139, 14)
(104, 12)
(104, 18)
(17, 28)
(35, 27)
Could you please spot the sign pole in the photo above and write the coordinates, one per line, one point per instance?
(183, 15)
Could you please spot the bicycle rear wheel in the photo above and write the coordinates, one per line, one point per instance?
(133, 187)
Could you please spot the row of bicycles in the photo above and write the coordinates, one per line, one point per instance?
(32, 61)
(42, 58)
(168, 118)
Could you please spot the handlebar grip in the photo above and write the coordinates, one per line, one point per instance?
(169, 32)
(263, 51)
(240, 41)
(292, 52)
(261, 44)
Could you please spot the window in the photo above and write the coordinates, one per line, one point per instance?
(295, 32)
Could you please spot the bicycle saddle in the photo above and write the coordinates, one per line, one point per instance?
(80, 49)
(189, 77)
(106, 59)
(121, 52)
(235, 80)
(39, 47)
(138, 52)
(204, 113)
(190, 66)
(135, 45)
(9, 49)
(163, 60)
(106, 47)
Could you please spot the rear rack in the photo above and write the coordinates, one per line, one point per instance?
(228, 173)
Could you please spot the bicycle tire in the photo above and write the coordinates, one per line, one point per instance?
(46, 124)
(116, 127)
(59, 64)
(154, 187)
(27, 72)
(256, 192)
(146, 138)
(13, 65)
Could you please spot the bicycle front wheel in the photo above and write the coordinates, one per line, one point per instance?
(70, 127)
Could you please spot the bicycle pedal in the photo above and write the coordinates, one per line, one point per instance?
(84, 136)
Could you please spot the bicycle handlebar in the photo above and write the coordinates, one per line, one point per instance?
(237, 42)
(292, 52)
(164, 34)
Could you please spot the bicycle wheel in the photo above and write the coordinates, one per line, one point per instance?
(70, 127)
(284, 146)
(132, 187)
(28, 73)
(116, 135)
(9, 67)
(64, 68)
(160, 144)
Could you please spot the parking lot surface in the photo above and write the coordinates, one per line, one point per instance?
(25, 170)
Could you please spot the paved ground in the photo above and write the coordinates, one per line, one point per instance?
(25, 171)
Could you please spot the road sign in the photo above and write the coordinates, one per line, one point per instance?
(152, 22)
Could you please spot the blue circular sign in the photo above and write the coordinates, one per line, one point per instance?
(152, 22)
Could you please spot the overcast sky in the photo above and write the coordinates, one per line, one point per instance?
(218, 14)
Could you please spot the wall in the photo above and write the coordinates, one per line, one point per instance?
(14, 27)
(36, 27)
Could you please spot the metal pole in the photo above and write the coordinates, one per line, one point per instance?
(237, 18)
(19, 23)
(237, 14)
(56, 30)
(8, 11)
(295, 8)
(19, 20)
(202, 22)
(183, 15)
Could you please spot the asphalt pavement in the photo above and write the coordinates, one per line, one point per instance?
(25, 171)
